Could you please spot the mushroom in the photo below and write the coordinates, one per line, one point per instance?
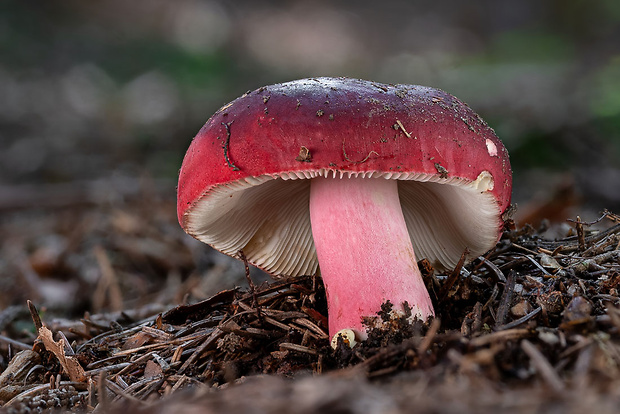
(351, 179)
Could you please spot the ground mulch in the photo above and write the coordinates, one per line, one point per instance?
(533, 326)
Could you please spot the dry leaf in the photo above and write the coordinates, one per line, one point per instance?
(152, 369)
(69, 363)
(137, 340)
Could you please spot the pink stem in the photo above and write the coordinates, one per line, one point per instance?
(364, 250)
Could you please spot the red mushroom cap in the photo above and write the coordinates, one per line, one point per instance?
(244, 182)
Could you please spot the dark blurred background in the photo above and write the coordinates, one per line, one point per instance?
(93, 89)
(100, 99)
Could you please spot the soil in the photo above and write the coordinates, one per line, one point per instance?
(118, 319)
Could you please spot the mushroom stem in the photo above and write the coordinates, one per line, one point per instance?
(364, 251)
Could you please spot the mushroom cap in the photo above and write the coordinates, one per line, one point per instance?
(245, 179)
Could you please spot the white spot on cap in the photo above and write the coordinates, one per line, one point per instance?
(484, 182)
(491, 148)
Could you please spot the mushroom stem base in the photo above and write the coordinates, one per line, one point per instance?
(364, 250)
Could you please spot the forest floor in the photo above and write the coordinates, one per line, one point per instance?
(106, 307)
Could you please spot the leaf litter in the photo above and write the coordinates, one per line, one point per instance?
(532, 326)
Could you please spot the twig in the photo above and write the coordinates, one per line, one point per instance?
(454, 276)
(499, 335)
(116, 389)
(252, 286)
(144, 382)
(102, 391)
(538, 265)
(35, 316)
(153, 385)
(298, 348)
(217, 334)
(493, 267)
(525, 249)
(491, 299)
(108, 368)
(277, 324)
(400, 124)
(306, 323)
(606, 213)
(607, 243)
(157, 333)
(133, 364)
(13, 342)
(180, 382)
(428, 339)
(580, 235)
(521, 320)
(611, 216)
(543, 366)
(506, 299)
(227, 146)
(141, 348)
(67, 344)
(277, 286)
